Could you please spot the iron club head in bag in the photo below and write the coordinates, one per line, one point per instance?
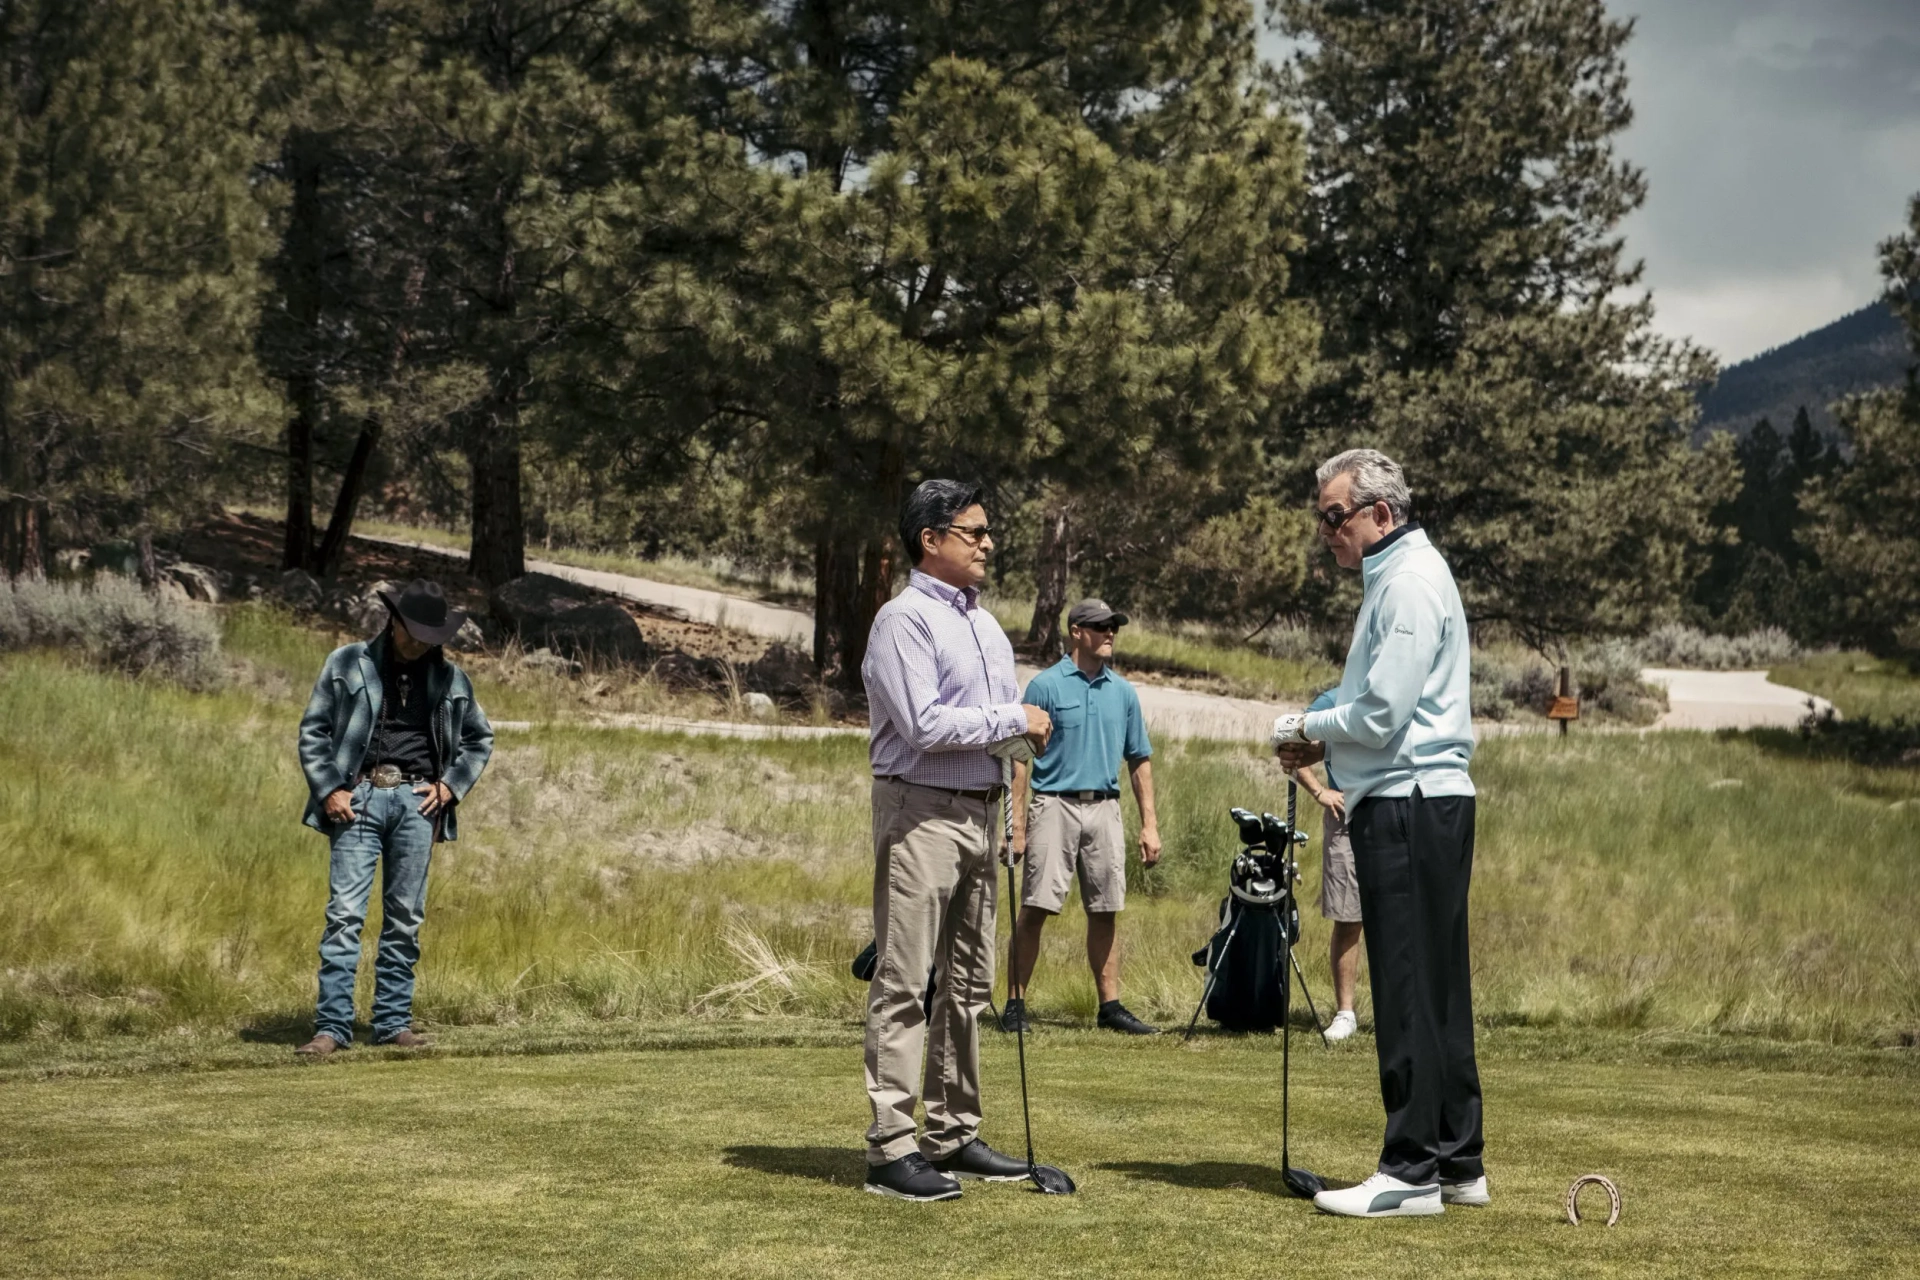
(1047, 1179)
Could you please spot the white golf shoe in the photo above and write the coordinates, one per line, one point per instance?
(1472, 1193)
(1382, 1196)
(1343, 1025)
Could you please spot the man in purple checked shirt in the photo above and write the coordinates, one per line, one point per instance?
(940, 691)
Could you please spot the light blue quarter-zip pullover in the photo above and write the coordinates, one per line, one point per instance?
(1402, 716)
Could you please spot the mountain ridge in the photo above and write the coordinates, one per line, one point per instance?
(1861, 351)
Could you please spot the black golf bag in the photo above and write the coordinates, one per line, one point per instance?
(1248, 986)
(1249, 962)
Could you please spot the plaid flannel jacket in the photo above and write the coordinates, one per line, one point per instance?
(340, 718)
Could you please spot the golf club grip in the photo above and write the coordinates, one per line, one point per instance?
(1293, 801)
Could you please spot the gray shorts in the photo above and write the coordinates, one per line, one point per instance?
(1339, 888)
(1069, 837)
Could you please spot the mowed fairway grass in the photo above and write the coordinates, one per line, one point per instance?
(746, 1162)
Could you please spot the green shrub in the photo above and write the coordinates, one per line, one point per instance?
(115, 624)
(1674, 645)
(1606, 674)
(1292, 643)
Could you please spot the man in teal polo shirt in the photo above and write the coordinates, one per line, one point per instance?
(1071, 826)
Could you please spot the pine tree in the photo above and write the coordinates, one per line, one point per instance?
(350, 280)
(950, 242)
(129, 240)
(1864, 518)
(436, 148)
(1465, 254)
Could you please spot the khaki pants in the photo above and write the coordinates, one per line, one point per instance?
(933, 908)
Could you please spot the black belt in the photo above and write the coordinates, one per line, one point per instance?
(1082, 795)
(978, 793)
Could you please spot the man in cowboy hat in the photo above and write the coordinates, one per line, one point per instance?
(391, 742)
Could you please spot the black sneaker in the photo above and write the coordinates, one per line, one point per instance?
(1114, 1017)
(1013, 1015)
(978, 1160)
(911, 1178)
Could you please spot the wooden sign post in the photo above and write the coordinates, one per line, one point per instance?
(1566, 706)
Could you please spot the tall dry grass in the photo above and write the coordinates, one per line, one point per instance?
(156, 874)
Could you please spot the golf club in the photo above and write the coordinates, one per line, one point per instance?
(1301, 1182)
(1047, 1179)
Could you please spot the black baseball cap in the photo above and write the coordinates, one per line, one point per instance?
(1094, 613)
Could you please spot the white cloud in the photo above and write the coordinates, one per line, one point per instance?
(1741, 317)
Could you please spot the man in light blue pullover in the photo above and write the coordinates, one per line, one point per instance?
(1400, 733)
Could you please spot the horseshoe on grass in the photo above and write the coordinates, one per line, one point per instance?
(1593, 1179)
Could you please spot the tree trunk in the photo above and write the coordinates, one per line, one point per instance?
(371, 429)
(307, 251)
(297, 551)
(498, 552)
(1050, 568)
(327, 559)
(836, 594)
(877, 561)
(23, 538)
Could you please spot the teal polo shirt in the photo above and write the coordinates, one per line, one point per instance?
(1096, 724)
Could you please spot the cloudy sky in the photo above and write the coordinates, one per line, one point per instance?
(1781, 139)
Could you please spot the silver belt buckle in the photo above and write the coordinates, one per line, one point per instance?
(386, 775)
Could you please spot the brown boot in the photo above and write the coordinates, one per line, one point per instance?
(320, 1046)
(408, 1039)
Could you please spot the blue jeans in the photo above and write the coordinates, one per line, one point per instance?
(387, 832)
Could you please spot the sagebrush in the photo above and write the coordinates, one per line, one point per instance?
(115, 623)
(1676, 645)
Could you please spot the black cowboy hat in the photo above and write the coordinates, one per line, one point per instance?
(423, 610)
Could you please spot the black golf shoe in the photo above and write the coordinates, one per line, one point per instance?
(1114, 1017)
(978, 1160)
(911, 1178)
(1013, 1017)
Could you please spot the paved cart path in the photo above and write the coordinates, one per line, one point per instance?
(1730, 700)
(1698, 699)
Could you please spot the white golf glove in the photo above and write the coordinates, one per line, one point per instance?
(1016, 749)
(1291, 728)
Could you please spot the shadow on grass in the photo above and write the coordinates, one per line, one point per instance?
(282, 1026)
(1891, 743)
(841, 1166)
(1212, 1175)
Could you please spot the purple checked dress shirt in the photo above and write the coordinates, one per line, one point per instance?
(940, 687)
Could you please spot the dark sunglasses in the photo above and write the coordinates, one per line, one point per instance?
(975, 534)
(1333, 518)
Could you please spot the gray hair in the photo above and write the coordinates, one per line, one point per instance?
(1376, 478)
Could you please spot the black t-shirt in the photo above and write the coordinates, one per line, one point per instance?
(406, 736)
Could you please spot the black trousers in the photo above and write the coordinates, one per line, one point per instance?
(1413, 857)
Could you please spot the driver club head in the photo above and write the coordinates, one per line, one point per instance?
(1051, 1181)
(1302, 1183)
